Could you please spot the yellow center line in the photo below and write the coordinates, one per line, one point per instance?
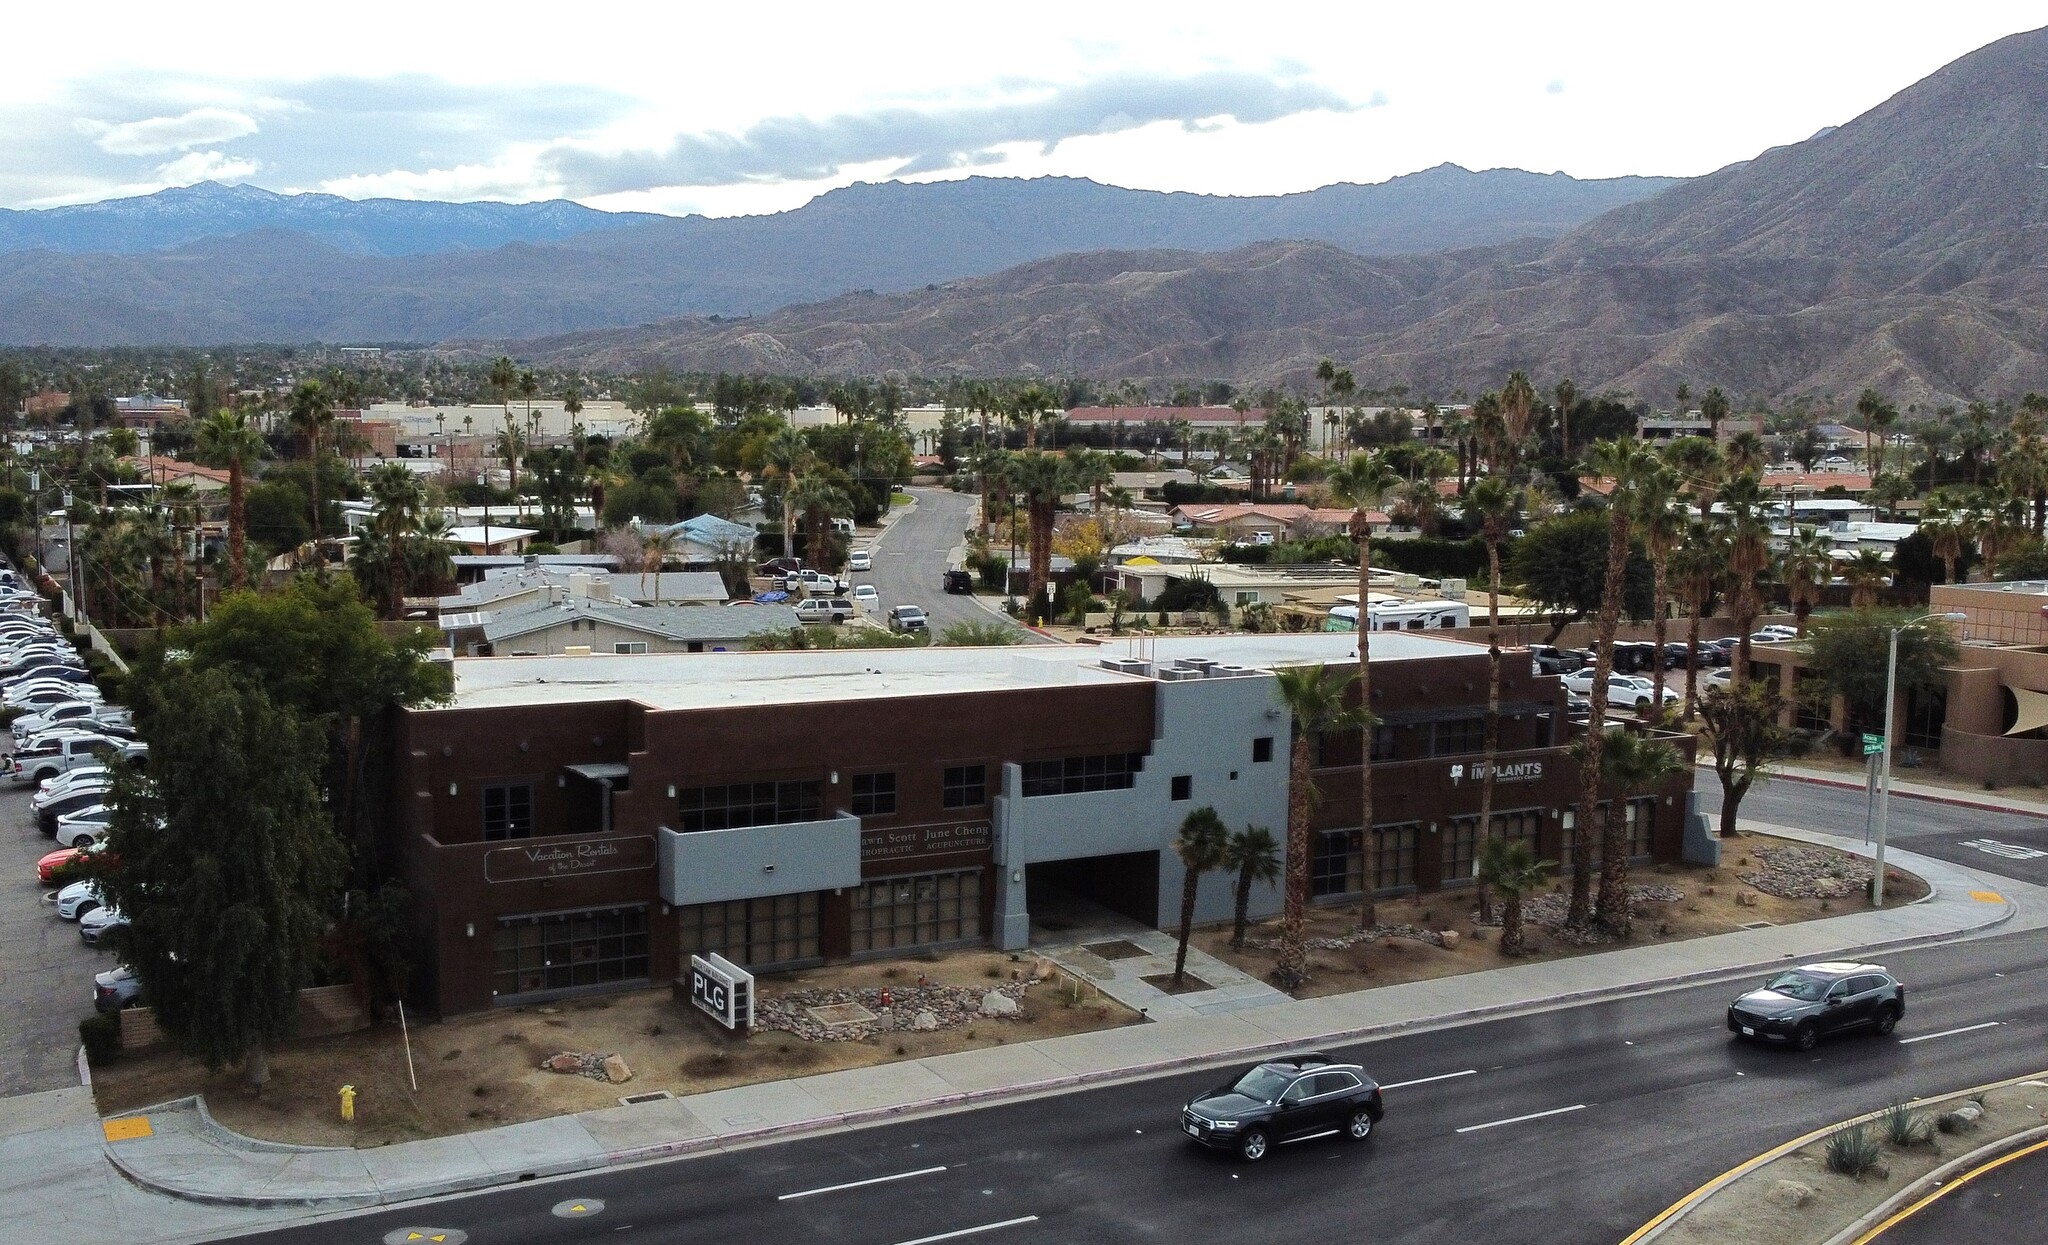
(1947, 1189)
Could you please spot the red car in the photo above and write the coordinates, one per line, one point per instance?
(46, 868)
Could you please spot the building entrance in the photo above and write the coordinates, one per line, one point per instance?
(1064, 895)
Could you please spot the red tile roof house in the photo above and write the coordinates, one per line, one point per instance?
(1277, 519)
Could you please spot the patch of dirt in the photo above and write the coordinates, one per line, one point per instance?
(1116, 949)
(1746, 1211)
(483, 1070)
(1712, 901)
(1189, 983)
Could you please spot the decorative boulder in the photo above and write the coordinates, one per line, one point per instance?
(996, 1003)
(616, 1071)
(1789, 1194)
(567, 1061)
(925, 1022)
(1450, 939)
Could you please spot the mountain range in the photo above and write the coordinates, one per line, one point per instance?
(1906, 250)
(248, 265)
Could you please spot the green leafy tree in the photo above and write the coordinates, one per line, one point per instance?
(1254, 856)
(1848, 652)
(229, 867)
(1317, 705)
(1561, 565)
(1741, 726)
(1511, 870)
(1202, 846)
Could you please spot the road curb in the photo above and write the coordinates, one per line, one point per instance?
(1876, 1221)
(1958, 801)
(1675, 1213)
(1012, 1093)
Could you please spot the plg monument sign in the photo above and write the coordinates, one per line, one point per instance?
(722, 990)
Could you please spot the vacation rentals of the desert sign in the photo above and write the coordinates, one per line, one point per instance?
(618, 854)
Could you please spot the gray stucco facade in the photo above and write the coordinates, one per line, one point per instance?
(1207, 728)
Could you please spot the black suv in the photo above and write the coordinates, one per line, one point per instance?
(1802, 1005)
(1283, 1100)
(959, 581)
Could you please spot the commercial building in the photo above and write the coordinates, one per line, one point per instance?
(575, 824)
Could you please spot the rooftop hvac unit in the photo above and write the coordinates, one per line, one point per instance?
(1172, 674)
(1127, 665)
(1405, 580)
(1454, 589)
(1230, 672)
(1196, 663)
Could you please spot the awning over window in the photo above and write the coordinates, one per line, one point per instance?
(2033, 710)
(598, 771)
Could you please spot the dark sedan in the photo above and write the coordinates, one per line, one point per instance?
(1802, 1005)
(1285, 1100)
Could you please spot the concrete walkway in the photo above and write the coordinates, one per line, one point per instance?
(181, 1152)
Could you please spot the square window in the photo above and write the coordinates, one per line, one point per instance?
(874, 795)
(965, 786)
(508, 811)
(1183, 786)
(629, 646)
(1262, 749)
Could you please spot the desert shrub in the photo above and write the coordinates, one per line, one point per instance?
(101, 1035)
(1904, 1127)
(1853, 1151)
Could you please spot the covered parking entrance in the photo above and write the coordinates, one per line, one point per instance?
(1070, 897)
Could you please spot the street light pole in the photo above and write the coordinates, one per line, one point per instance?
(1891, 696)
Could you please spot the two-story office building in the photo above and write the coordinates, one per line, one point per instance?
(583, 823)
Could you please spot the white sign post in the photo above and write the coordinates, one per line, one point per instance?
(723, 990)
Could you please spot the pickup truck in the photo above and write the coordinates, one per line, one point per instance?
(89, 714)
(69, 752)
(815, 583)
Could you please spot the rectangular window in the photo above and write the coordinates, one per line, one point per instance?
(895, 914)
(1262, 749)
(1070, 775)
(874, 795)
(748, 804)
(1524, 825)
(1458, 736)
(508, 811)
(1642, 825)
(774, 930)
(630, 646)
(1339, 749)
(1567, 851)
(1461, 848)
(965, 786)
(567, 950)
(1338, 865)
(1397, 854)
(1183, 786)
(1385, 744)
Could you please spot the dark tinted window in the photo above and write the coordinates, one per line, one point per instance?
(1299, 1090)
(874, 795)
(1067, 775)
(508, 811)
(1262, 748)
(1183, 786)
(1798, 986)
(748, 804)
(1334, 1082)
(1459, 735)
(966, 786)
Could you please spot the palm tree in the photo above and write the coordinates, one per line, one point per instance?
(1746, 452)
(1626, 462)
(787, 455)
(503, 378)
(1254, 855)
(1746, 522)
(1881, 420)
(820, 500)
(2023, 467)
(1949, 526)
(1203, 846)
(529, 389)
(1700, 468)
(1807, 566)
(1091, 473)
(1511, 869)
(1041, 479)
(1628, 762)
(1518, 404)
(2000, 523)
(512, 447)
(227, 439)
(1317, 705)
(399, 500)
(1567, 400)
(1867, 573)
(1362, 482)
(1662, 523)
(1714, 408)
(655, 546)
(1492, 504)
(311, 412)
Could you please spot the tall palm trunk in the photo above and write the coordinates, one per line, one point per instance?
(1661, 606)
(1492, 712)
(1511, 924)
(1190, 881)
(1368, 842)
(314, 440)
(1616, 914)
(788, 520)
(1241, 917)
(1040, 511)
(238, 525)
(1290, 968)
(1579, 915)
(1692, 656)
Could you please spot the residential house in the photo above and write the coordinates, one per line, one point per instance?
(559, 623)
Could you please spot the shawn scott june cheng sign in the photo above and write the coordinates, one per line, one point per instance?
(619, 854)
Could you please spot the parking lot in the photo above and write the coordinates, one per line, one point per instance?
(46, 973)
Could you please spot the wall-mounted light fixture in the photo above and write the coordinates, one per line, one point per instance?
(447, 750)
(835, 777)
(1016, 875)
(469, 931)
(671, 791)
(561, 780)
(453, 789)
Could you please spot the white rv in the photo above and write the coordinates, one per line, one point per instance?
(1400, 615)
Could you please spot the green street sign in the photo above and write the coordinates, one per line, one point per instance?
(1872, 745)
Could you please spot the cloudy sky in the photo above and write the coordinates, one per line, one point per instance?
(757, 107)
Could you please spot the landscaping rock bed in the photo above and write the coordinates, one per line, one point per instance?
(608, 1068)
(1807, 873)
(922, 1009)
(1549, 909)
(1414, 933)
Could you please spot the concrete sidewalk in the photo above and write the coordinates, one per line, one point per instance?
(184, 1154)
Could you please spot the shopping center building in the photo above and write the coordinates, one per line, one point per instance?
(584, 823)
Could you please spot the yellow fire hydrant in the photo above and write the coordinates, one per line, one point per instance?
(348, 1103)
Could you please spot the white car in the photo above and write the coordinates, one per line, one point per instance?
(94, 925)
(72, 780)
(46, 692)
(1628, 691)
(865, 596)
(85, 827)
(1717, 680)
(77, 899)
(85, 713)
(860, 560)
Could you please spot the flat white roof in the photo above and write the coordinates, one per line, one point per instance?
(713, 680)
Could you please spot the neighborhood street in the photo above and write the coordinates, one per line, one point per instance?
(911, 559)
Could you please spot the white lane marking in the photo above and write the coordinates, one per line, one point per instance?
(1473, 1128)
(2011, 851)
(856, 1184)
(987, 1227)
(1929, 1037)
(1424, 1080)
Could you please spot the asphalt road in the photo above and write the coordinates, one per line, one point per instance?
(2012, 844)
(1574, 1125)
(910, 560)
(2008, 1204)
(46, 973)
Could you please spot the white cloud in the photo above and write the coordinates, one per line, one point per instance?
(206, 166)
(154, 136)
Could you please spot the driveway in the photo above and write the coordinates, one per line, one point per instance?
(912, 555)
(46, 970)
